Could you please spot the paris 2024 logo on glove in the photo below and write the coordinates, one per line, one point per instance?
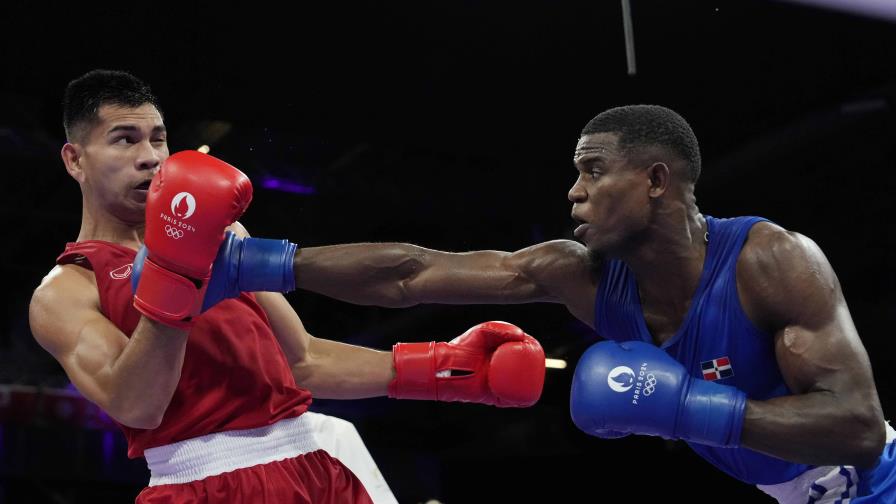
(183, 205)
(623, 378)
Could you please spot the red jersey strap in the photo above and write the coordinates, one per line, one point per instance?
(112, 265)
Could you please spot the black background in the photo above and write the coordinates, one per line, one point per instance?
(452, 125)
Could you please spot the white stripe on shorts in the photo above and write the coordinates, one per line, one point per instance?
(212, 454)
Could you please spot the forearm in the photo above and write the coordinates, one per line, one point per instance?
(332, 370)
(363, 273)
(143, 378)
(816, 428)
(399, 275)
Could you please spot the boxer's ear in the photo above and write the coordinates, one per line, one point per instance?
(659, 177)
(71, 156)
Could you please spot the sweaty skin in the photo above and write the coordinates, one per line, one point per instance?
(640, 208)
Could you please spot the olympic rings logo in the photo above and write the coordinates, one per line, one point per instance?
(649, 384)
(173, 232)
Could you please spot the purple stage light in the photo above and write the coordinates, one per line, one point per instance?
(880, 9)
(108, 447)
(285, 185)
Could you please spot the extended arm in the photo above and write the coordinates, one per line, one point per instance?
(329, 369)
(398, 274)
(501, 364)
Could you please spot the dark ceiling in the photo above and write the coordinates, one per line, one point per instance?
(452, 125)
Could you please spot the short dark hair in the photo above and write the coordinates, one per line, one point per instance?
(85, 95)
(647, 125)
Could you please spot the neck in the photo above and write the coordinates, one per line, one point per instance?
(99, 224)
(668, 261)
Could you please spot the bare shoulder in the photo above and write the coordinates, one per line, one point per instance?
(66, 283)
(566, 271)
(567, 250)
(774, 253)
(557, 260)
(67, 293)
(783, 275)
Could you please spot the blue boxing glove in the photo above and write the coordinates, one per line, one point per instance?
(242, 265)
(635, 387)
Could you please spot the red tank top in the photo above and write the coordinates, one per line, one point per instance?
(235, 375)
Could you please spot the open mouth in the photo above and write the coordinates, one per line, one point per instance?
(143, 186)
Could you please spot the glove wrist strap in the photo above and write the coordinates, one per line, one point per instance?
(267, 265)
(712, 414)
(415, 373)
(167, 297)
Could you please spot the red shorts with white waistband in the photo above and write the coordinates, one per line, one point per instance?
(311, 478)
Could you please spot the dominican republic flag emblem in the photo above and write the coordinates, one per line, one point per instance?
(717, 369)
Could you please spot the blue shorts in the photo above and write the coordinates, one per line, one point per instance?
(830, 484)
(879, 484)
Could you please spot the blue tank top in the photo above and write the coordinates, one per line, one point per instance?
(716, 340)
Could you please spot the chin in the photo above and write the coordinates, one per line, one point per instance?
(597, 244)
(133, 214)
(603, 249)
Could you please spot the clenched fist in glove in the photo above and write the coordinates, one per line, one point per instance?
(191, 201)
(492, 363)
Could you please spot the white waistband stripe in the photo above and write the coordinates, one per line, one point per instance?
(198, 458)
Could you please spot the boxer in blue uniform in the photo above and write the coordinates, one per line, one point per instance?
(731, 334)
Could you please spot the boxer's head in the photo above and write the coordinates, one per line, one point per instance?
(116, 140)
(633, 162)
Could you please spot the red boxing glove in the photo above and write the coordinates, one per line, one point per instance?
(493, 363)
(191, 201)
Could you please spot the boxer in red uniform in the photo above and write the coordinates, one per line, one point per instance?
(213, 397)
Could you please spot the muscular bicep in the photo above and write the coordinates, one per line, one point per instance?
(828, 357)
(67, 322)
(556, 272)
(792, 289)
(832, 415)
